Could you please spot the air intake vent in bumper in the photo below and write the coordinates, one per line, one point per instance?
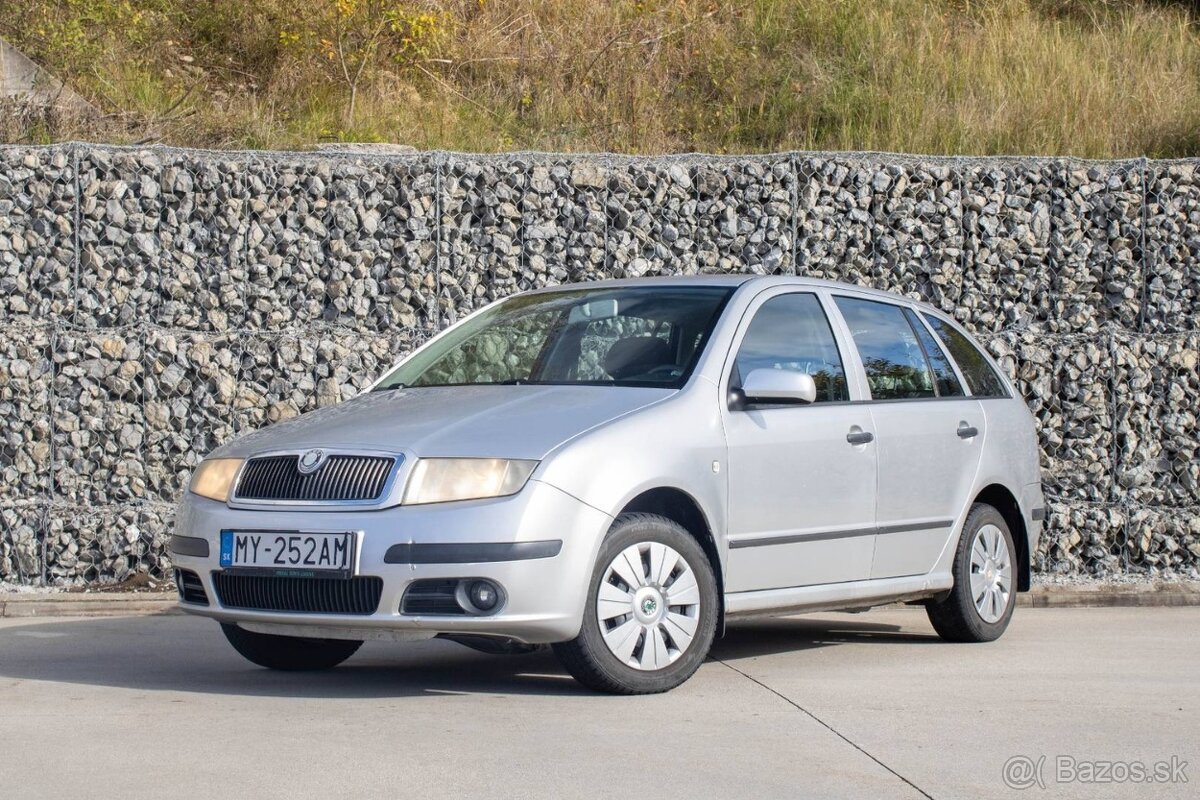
(358, 596)
(341, 478)
(191, 589)
(432, 596)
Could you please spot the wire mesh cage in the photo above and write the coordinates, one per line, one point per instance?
(155, 303)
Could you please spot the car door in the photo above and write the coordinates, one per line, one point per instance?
(929, 434)
(801, 495)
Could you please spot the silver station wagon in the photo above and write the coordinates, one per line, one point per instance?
(619, 469)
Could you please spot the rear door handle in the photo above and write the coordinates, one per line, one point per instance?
(860, 437)
(966, 431)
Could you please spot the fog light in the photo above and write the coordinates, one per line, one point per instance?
(483, 595)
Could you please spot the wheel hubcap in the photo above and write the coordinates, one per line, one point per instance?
(991, 573)
(648, 606)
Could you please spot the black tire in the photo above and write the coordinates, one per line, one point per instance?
(588, 658)
(955, 617)
(290, 653)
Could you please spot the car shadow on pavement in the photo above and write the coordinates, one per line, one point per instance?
(182, 654)
(772, 636)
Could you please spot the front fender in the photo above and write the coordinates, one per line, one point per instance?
(675, 444)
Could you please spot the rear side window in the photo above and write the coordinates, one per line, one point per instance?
(943, 370)
(891, 354)
(790, 331)
(981, 379)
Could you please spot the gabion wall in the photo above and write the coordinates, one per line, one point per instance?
(155, 303)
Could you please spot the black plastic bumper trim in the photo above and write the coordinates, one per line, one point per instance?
(188, 546)
(470, 553)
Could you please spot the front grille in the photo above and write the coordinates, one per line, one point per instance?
(341, 478)
(191, 590)
(358, 596)
(432, 596)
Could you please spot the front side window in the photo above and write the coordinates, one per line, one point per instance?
(791, 332)
(981, 379)
(891, 354)
(643, 336)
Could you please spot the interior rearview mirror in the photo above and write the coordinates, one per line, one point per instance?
(779, 387)
(592, 311)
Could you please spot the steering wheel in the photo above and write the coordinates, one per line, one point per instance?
(664, 371)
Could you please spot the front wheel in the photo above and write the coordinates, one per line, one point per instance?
(980, 606)
(290, 653)
(651, 611)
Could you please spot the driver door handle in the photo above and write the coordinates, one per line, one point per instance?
(966, 431)
(860, 437)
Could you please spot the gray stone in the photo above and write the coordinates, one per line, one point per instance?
(159, 303)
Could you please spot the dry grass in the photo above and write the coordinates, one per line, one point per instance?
(1096, 78)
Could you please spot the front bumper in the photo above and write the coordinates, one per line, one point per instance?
(545, 594)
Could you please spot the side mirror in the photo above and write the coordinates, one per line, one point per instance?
(779, 387)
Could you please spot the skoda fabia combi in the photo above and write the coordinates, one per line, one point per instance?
(619, 469)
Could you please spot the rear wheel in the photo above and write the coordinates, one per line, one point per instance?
(651, 612)
(980, 606)
(291, 653)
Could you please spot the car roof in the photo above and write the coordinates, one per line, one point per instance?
(735, 281)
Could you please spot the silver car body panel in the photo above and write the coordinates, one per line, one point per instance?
(800, 519)
(463, 421)
(789, 455)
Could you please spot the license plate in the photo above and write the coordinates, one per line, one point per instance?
(290, 553)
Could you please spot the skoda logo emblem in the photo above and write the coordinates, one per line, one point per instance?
(311, 461)
(649, 606)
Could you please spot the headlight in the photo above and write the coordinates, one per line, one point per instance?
(442, 480)
(214, 478)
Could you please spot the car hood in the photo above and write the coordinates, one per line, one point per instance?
(468, 421)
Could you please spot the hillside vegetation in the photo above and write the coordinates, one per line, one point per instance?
(1095, 78)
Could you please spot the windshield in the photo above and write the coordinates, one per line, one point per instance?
(643, 336)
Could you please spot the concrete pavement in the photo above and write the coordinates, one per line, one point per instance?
(835, 705)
